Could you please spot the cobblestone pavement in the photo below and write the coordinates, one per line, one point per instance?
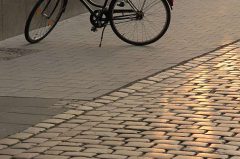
(191, 111)
(69, 64)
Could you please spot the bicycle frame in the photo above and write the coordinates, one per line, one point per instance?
(101, 16)
(88, 4)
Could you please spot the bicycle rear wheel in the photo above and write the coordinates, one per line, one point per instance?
(139, 22)
(42, 19)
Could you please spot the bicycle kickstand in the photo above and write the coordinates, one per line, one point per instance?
(100, 45)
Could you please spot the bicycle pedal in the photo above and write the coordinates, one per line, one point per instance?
(93, 29)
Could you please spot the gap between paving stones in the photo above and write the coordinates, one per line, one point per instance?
(111, 97)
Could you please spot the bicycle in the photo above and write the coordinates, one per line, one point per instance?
(137, 22)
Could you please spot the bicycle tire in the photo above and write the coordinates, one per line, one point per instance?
(112, 9)
(32, 14)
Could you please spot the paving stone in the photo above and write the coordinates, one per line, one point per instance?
(111, 156)
(58, 130)
(51, 157)
(206, 136)
(47, 135)
(64, 138)
(37, 149)
(139, 144)
(220, 133)
(3, 146)
(187, 157)
(53, 121)
(49, 143)
(67, 148)
(36, 140)
(8, 141)
(52, 152)
(101, 133)
(34, 130)
(124, 148)
(212, 141)
(86, 141)
(127, 153)
(130, 135)
(97, 146)
(224, 146)
(168, 146)
(228, 152)
(93, 118)
(10, 151)
(74, 112)
(180, 138)
(139, 127)
(158, 155)
(80, 158)
(183, 153)
(99, 151)
(211, 155)
(112, 143)
(44, 125)
(194, 143)
(79, 154)
(21, 136)
(150, 150)
(5, 157)
(68, 125)
(24, 145)
(26, 155)
(171, 142)
(199, 149)
(119, 94)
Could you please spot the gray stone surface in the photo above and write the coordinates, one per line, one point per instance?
(71, 65)
(7, 129)
(9, 54)
(18, 114)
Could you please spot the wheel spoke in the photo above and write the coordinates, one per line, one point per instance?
(145, 26)
(43, 19)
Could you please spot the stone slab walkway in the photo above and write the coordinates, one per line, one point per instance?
(190, 111)
(17, 114)
(69, 64)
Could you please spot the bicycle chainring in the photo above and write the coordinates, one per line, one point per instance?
(99, 18)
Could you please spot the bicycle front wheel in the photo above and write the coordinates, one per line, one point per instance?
(42, 19)
(139, 22)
